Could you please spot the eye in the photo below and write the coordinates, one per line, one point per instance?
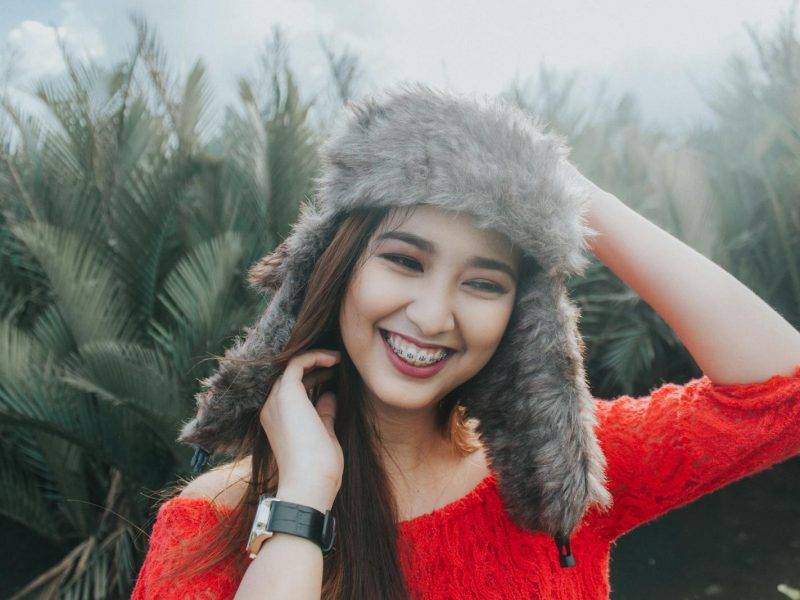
(488, 286)
(400, 259)
(479, 284)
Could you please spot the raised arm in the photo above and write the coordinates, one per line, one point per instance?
(732, 334)
(680, 442)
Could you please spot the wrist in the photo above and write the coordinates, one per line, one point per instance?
(316, 497)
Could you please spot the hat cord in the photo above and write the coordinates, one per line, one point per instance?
(565, 560)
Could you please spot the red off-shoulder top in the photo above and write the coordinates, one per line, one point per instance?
(663, 451)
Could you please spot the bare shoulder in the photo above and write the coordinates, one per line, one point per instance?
(225, 484)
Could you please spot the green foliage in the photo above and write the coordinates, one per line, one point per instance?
(128, 222)
(127, 226)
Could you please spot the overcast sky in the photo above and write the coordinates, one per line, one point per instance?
(668, 53)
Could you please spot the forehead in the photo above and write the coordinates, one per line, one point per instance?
(448, 228)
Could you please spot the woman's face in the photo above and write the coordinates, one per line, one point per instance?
(439, 280)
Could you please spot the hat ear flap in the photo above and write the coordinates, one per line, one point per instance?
(235, 390)
(232, 396)
(266, 274)
(537, 415)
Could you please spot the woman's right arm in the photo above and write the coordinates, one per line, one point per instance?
(288, 566)
(301, 435)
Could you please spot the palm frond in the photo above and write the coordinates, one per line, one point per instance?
(200, 297)
(86, 289)
(132, 377)
(194, 118)
(21, 497)
(93, 569)
(144, 217)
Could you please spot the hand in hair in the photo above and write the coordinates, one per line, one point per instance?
(301, 434)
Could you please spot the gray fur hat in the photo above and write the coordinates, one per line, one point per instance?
(488, 158)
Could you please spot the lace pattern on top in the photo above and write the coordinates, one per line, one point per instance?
(681, 442)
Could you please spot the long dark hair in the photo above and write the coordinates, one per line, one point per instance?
(364, 561)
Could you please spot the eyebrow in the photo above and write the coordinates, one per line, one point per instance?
(482, 262)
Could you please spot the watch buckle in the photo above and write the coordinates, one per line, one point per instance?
(328, 532)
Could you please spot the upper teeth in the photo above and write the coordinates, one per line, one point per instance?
(413, 353)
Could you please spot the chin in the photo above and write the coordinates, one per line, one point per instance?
(395, 397)
(393, 389)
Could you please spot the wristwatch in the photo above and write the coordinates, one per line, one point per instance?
(274, 515)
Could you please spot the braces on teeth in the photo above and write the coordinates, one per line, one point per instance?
(413, 356)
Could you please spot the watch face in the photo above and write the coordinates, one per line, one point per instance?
(259, 532)
(261, 520)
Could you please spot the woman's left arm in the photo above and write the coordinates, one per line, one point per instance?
(732, 334)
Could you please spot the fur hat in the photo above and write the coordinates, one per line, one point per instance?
(487, 158)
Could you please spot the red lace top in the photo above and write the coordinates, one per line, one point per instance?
(663, 451)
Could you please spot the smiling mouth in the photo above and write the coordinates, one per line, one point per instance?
(419, 358)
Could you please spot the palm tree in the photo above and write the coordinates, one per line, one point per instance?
(126, 226)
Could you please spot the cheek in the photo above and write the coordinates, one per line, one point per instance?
(365, 304)
(483, 326)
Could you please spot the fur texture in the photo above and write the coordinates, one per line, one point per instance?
(487, 158)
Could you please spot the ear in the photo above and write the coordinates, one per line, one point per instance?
(266, 275)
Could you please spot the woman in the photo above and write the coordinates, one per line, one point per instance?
(350, 426)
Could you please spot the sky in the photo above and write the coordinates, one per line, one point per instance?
(668, 54)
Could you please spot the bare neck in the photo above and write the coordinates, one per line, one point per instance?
(446, 482)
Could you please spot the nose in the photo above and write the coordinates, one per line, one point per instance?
(431, 310)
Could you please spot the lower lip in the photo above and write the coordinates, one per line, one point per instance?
(411, 370)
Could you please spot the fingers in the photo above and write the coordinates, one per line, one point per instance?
(299, 365)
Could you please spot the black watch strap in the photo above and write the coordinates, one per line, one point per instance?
(303, 521)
